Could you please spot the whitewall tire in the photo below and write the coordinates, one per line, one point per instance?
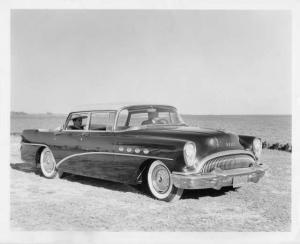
(160, 183)
(48, 164)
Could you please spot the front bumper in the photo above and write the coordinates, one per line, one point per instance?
(218, 178)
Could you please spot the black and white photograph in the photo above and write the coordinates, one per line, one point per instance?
(151, 120)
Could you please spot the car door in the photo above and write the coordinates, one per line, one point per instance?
(97, 145)
(67, 144)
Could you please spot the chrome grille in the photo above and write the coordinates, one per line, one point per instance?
(228, 162)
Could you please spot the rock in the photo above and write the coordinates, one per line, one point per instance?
(286, 147)
(275, 146)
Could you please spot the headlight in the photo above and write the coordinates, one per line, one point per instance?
(257, 147)
(189, 152)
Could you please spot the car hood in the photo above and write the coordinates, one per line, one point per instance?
(207, 140)
(181, 132)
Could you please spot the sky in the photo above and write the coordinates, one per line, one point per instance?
(201, 61)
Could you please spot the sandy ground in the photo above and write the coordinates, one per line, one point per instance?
(81, 203)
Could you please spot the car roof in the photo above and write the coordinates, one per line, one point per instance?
(116, 106)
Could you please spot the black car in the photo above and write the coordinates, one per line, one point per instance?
(148, 144)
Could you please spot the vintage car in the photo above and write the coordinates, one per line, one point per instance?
(148, 144)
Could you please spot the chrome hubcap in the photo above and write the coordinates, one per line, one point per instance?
(161, 179)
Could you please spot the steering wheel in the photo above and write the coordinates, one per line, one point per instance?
(161, 121)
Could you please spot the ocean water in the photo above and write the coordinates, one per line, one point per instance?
(272, 128)
(18, 123)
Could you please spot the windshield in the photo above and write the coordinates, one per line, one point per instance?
(152, 116)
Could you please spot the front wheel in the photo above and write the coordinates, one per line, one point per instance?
(160, 182)
(48, 164)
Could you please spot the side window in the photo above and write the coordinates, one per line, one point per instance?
(138, 118)
(102, 121)
(77, 121)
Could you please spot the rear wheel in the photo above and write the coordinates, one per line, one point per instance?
(160, 182)
(48, 164)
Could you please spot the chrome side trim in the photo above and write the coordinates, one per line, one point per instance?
(106, 153)
(109, 153)
(103, 153)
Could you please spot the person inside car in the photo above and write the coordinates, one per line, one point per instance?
(152, 116)
(77, 122)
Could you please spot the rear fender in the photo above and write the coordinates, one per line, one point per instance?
(31, 153)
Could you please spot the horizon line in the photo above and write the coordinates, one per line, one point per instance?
(231, 114)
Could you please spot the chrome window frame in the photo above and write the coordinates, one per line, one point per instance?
(115, 111)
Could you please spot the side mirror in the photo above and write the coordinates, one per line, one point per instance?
(60, 128)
